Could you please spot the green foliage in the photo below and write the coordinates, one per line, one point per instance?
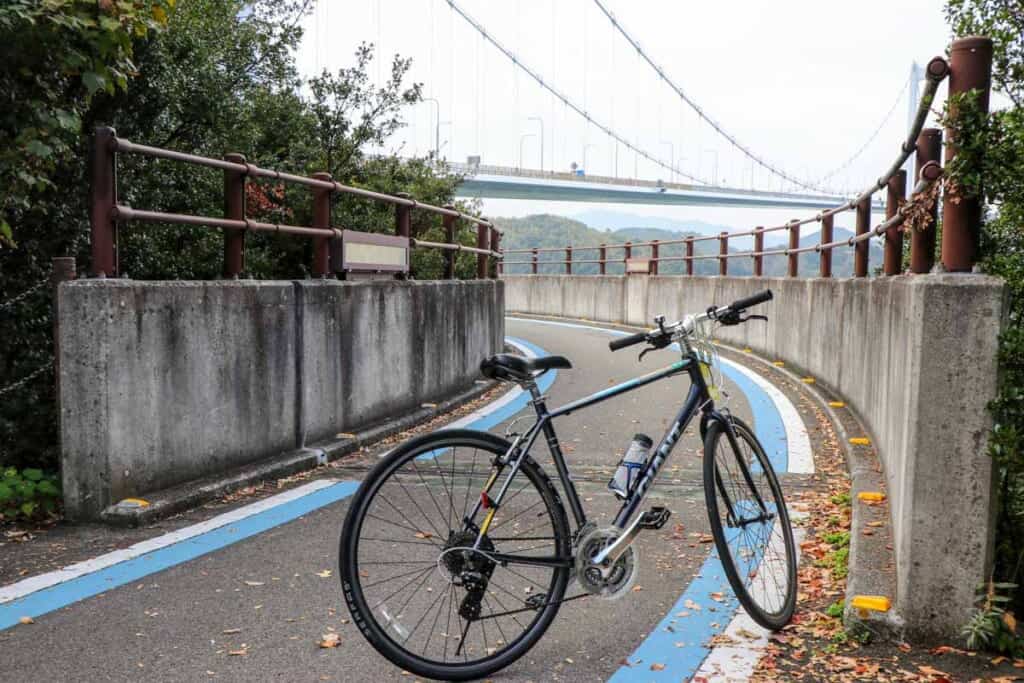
(993, 627)
(835, 610)
(838, 559)
(58, 56)
(29, 494)
(989, 166)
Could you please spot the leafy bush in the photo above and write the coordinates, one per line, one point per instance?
(993, 627)
(27, 494)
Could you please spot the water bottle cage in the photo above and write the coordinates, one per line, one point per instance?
(633, 471)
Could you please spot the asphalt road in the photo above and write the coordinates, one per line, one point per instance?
(255, 610)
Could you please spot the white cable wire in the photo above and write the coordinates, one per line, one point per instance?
(703, 115)
(565, 100)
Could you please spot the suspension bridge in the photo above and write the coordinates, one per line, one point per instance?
(252, 410)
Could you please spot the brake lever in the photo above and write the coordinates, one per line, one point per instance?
(754, 317)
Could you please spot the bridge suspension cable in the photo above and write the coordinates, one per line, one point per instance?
(749, 153)
(565, 99)
(871, 138)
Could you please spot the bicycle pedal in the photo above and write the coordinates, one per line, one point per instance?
(654, 518)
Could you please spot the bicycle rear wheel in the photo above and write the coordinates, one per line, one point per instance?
(415, 587)
(750, 524)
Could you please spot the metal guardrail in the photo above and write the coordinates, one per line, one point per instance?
(970, 61)
(106, 212)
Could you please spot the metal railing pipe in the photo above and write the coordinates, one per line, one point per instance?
(794, 246)
(825, 260)
(863, 225)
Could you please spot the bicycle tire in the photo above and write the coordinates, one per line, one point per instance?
(736, 569)
(363, 615)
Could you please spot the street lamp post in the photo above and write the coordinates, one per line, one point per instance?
(585, 148)
(714, 180)
(541, 122)
(437, 122)
(672, 160)
(521, 139)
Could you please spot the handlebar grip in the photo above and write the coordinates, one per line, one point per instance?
(752, 300)
(623, 342)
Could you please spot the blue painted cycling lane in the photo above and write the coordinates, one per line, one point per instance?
(86, 583)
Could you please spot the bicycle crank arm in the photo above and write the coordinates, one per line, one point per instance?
(654, 518)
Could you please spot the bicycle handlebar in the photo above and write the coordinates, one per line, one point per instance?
(623, 342)
(752, 300)
(727, 315)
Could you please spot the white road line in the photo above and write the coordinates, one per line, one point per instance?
(32, 584)
(801, 458)
(747, 641)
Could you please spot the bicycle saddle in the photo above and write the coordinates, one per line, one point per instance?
(505, 366)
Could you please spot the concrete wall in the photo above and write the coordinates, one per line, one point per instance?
(165, 382)
(914, 356)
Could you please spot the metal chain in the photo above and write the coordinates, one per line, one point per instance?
(24, 295)
(25, 380)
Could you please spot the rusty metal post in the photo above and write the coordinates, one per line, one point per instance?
(723, 253)
(654, 257)
(403, 228)
(568, 260)
(603, 258)
(483, 234)
(860, 250)
(103, 198)
(449, 237)
(234, 209)
(758, 247)
(628, 253)
(496, 246)
(534, 260)
(794, 243)
(321, 219)
(970, 68)
(689, 256)
(825, 256)
(896, 190)
(922, 242)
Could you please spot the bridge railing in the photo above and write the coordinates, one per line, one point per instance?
(917, 215)
(106, 212)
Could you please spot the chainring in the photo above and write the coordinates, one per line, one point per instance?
(604, 582)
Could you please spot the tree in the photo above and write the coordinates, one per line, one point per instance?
(206, 77)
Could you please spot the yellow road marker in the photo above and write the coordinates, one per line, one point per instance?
(837, 404)
(873, 603)
(747, 349)
(871, 496)
(860, 441)
(807, 380)
(779, 364)
(135, 502)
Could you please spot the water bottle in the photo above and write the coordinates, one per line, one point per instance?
(631, 465)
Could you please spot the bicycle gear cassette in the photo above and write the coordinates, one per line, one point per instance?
(608, 582)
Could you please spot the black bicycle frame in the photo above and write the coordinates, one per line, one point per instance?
(698, 398)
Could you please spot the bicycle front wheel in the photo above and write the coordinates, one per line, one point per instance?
(750, 524)
(417, 588)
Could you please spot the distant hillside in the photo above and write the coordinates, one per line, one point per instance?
(549, 231)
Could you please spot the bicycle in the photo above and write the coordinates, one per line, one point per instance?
(475, 557)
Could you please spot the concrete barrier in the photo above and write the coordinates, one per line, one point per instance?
(915, 356)
(162, 383)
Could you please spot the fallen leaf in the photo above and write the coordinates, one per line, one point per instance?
(329, 640)
(238, 653)
(26, 620)
(424, 534)
(324, 574)
(253, 583)
(718, 597)
(657, 667)
(229, 631)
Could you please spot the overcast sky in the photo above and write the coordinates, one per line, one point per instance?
(802, 83)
